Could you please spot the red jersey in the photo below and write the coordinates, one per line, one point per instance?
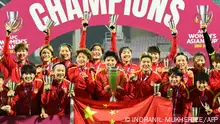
(180, 97)
(13, 66)
(27, 99)
(142, 87)
(84, 86)
(56, 100)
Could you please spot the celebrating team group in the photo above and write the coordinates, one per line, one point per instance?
(47, 89)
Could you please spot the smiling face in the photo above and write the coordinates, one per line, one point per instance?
(126, 55)
(146, 64)
(28, 77)
(181, 62)
(82, 59)
(174, 79)
(96, 52)
(199, 62)
(155, 57)
(216, 66)
(46, 55)
(59, 72)
(21, 54)
(65, 53)
(201, 85)
(110, 61)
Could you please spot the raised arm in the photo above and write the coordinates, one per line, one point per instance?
(7, 58)
(47, 37)
(208, 44)
(173, 50)
(113, 41)
(82, 43)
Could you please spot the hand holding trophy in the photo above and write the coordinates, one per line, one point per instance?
(166, 65)
(49, 24)
(13, 22)
(86, 17)
(48, 80)
(11, 86)
(172, 26)
(156, 88)
(113, 73)
(169, 93)
(112, 25)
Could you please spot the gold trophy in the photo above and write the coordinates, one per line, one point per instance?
(169, 93)
(204, 15)
(113, 73)
(156, 88)
(172, 27)
(14, 22)
(49, 24)
(86, 16)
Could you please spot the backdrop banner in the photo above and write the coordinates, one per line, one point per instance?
(150, 15)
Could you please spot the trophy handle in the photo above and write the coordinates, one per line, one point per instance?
(210, 16)
(19, 25)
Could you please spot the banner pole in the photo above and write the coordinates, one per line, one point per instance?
(71, 111)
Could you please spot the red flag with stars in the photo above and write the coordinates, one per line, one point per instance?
(152, 110)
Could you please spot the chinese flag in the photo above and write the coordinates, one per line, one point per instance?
(152, 110)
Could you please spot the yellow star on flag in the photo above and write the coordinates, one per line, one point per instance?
(112, 112)
(112, 121)
(105, 105)
(89, 113)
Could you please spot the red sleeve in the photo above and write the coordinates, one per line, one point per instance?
(187, 108)
(82, 43)
(4, 70)
(90, 85)
(47, 40)
(158, 79)
(75, 77)
(12, 102)
(215, 111)
(164, 77)
(173, 50)
(113, 42)
(12, 112)
(123, 84)
(7, 58)
(190, 82)
(100, 87)
(71, 74)
(129, 88)
(45, 97)
(39, 84)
